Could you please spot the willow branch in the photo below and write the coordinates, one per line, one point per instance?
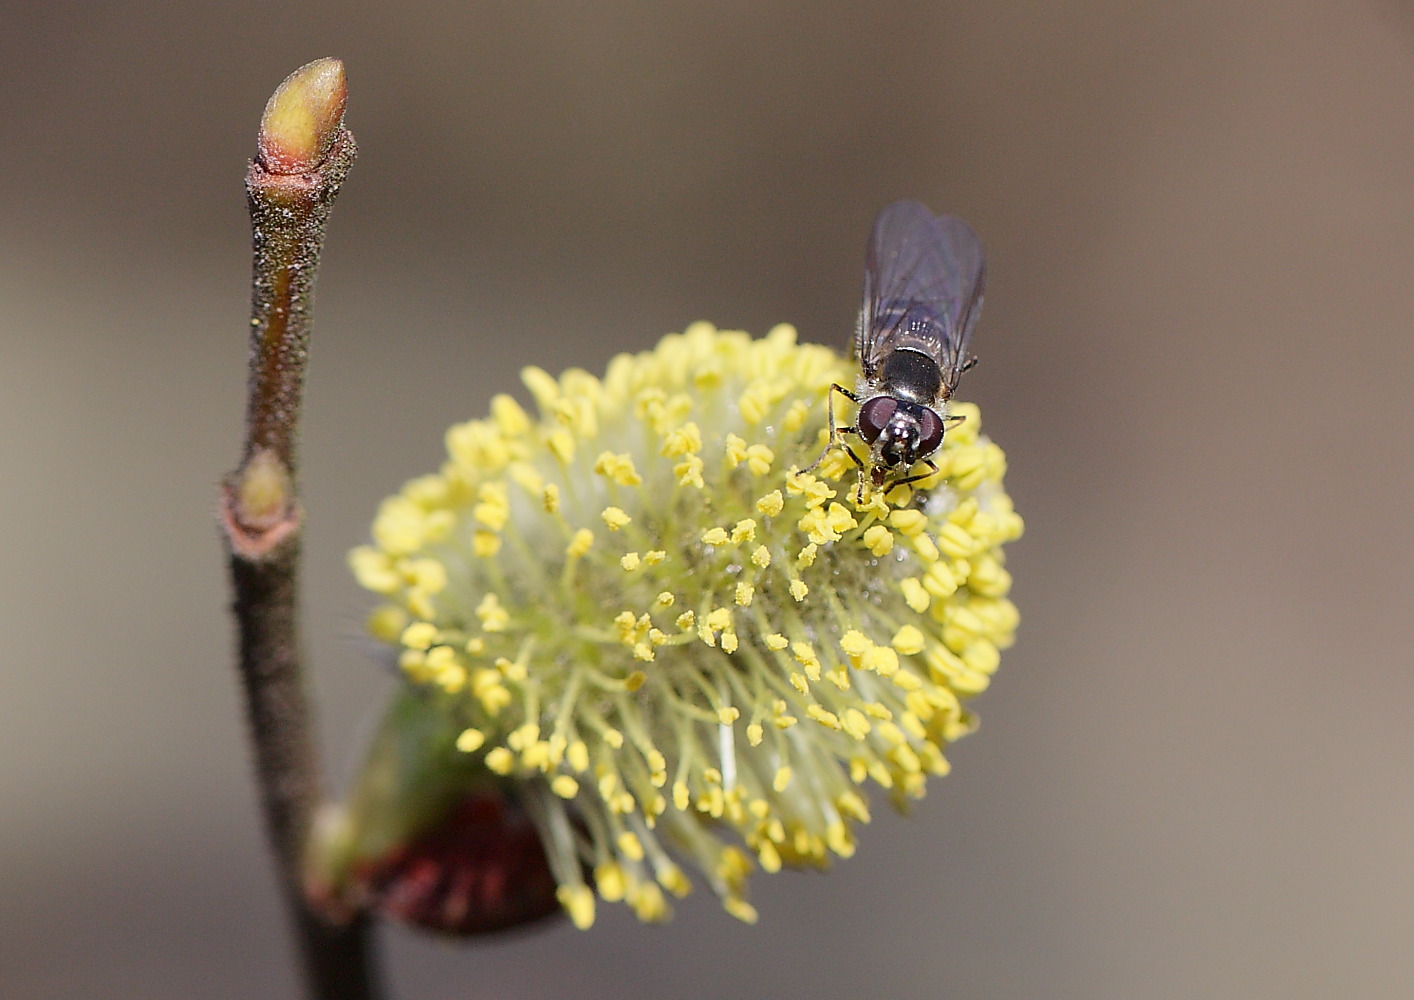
(303, 154)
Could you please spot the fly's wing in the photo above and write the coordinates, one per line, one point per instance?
(923, 280)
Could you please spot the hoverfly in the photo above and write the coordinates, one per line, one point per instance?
(923, 278)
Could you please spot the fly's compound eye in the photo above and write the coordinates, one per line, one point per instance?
(874, 417)
(930, 432)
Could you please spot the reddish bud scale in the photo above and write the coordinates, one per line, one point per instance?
(481, 869)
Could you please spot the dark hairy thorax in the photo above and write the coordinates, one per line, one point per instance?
(913, 376)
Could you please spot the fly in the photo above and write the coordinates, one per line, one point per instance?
(923, 278)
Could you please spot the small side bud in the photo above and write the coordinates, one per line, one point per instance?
(263, 491)
(258, 507)
(302, 118)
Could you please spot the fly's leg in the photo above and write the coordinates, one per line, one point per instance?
(933, 470)
(835, 431)
(858, 463)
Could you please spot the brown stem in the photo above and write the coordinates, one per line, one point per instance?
(304, 153)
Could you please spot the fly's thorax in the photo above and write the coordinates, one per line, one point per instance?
(912, 375)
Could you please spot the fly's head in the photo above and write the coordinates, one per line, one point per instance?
(898, 432)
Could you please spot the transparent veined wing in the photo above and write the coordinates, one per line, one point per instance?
(923, 279)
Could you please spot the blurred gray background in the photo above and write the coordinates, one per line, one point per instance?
(1194, 773)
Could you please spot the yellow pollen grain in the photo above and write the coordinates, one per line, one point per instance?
(577, 755)
(752, 406)
(883, 660)
(689, 472)
(619, 468)
(615, 518)
(855, 724)
(798, 589)
(419, 635)
(578, 902)
(823, 716)
(906, 681)
(428, 575)
(744, 531)
(910, 522)
(782, 778)
(511, 670)
(501, 760)
(654, 557)
(414, 661)
(735, 451)
(761, 557)
(759, 459)
(755, 734)
(470, 740)
(420, 604)
(727, 715)
(714, 536)
(671, 877)
(527, 478)
(630, 846)
(776, 642)
(740, 909)
(493, 513)
(840, 519)
(665, 599)
(580, 544)
(914, 595)
(561, 444)
(744, 594)
(806, 556)
(925, 547)
(771, 504)
(816, 525)
(685, 620)
(494, 618)
(908, 640)
(610, 881)
(630, 561)
(523, 736)
(855, 644)
(837, 836)
(542, 385)
(550, 498)
(387, 623)
(373, 570)
(648, 903)
(956, 542)
(510, 418)
(485, 544)
(795, 417)
(805, 655)
(879, 540)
